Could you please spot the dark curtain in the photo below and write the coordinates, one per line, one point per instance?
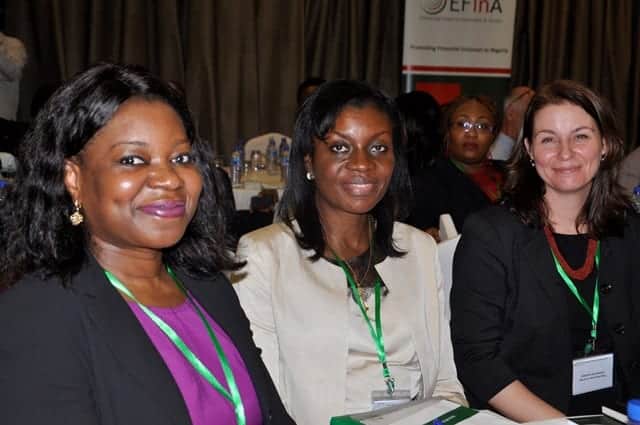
(592, 41)
(63, 37)
(240, 61)
(356, 39)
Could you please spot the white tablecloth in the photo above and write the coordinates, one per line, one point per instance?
(252, 185)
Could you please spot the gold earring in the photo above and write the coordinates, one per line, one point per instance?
(76, 218)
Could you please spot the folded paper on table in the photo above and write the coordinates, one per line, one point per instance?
(423, 412)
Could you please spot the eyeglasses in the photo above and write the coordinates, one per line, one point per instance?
(467, 126)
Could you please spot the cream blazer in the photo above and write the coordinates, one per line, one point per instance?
(298, 311)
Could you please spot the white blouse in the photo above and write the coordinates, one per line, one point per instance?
(364, 371)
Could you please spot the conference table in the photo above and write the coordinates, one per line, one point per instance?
(252, 184)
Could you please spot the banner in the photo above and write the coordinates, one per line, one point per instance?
(454, 47)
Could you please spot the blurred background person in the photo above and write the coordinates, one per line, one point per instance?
(515, 105)
(464, 180)
(113, 243)
(422, 117)
(307, 87)
(13, 58)
(548, 281)
(317, 285)
(629, 176)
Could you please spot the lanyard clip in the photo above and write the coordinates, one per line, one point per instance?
(391, 385)
(590, 346)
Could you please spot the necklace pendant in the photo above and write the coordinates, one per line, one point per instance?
(363, 294)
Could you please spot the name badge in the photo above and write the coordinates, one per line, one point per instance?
(592, 373)
(380, 399)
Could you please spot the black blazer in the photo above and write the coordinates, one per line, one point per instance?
(78, 355)
(509, 312)
(442, 188)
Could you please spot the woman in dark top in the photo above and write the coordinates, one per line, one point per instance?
(544, 298)
(113, 241)
(464, 180)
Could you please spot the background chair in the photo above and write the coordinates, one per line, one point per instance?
(449, 238)
(260, 143)
(446, 250)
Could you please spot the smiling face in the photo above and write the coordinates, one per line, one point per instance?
(136, 178)
(354, 164)
(470, 146)
(566, 147)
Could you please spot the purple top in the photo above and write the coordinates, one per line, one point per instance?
(204, 403)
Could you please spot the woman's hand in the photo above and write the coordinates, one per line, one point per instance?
(516, 402)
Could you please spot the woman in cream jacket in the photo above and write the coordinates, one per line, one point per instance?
(313, 284)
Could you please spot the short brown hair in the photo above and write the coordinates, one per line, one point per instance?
(603, 211)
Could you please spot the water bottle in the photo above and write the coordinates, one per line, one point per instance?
(272, 157)
(284, 158)
(236, 167)
(4, 185)
(635, 198)
(633, 410)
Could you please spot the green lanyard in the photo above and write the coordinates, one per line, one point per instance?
(376, 333)
(593, 311)
(233, 395)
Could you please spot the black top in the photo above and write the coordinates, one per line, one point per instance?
(574, 249)
(79, 355)
(442, 188)
(512, 318)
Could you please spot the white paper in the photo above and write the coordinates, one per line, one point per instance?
(420, 412)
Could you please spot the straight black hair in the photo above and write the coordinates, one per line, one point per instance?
(315, 119)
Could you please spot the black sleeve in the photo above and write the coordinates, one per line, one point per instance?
(44, 376)
(478, 299)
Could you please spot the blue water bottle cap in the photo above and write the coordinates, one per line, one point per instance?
(633, 409)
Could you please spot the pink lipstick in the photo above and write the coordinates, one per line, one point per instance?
(165, 209)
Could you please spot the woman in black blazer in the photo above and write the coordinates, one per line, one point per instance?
(112, 244)
(526, 344)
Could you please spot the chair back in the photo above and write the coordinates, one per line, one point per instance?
(447, 228)
(261, 142)
(446, 250)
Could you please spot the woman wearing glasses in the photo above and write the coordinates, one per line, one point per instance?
(464, 180)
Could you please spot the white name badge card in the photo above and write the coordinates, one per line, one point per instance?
(592, 373)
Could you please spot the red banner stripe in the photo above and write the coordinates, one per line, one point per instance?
(467, 69)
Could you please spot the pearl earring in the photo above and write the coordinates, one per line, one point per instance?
(310, 176)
